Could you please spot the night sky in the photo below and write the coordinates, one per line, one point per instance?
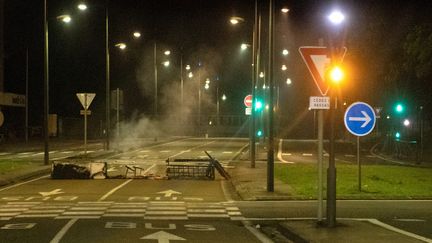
(195, 32)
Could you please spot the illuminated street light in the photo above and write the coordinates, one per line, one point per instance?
(190, 75)
(243, 46)
(406, 122)
(261, 75)
(206, 86)
(224, 97)
(137, 34)
(336, 17)
(65, 18)
(388, 117)
(336, 75)
(121, 45)
(285, 52)
(166, 63)
(167, 52)
(188, 67)
(288, 81)
(285, 10)
(207, 81)
(284, 67)
(82, 6)
(236, 20)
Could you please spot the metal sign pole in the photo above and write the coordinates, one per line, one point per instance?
(359, 163)
(320, 165)
(85, 124)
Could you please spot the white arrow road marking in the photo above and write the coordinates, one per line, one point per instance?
(162, 237)
(366, 119)
(53, 192)
(168, 193)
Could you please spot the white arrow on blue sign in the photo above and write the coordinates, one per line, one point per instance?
(360, 119)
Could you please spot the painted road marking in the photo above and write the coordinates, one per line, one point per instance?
(279, 154)
(114, 190)
(307, 154)
(349, 155)
(63, 231)
(23, 183)
(163, 210)
(227, 152)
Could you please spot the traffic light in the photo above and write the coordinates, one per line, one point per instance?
(397, 135)
(259, 133)
(399, 108)
(258, 104)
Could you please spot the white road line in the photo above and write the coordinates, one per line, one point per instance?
(184, 151)
(403, 232)
(37, 215)
(410, 220)
(195, 215)
(23, 183)
(279, 154)
(126, 210)
(123, 215)
(349, 155)
(165, 213)
(63, 231)
(226, 152)
(114, 190)
(166, 217)
(307, 154)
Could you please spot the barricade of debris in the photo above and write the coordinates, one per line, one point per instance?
(91, 170)
(194, 168)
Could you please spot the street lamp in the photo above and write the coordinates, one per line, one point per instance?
(136, 34)
(236, 20)
(121, 45)
(65, 18)
(82, 6)
(336, 75)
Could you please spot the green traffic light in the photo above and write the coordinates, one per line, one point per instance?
(258, 105)
(399, 108)
(397, 134)
(259, 133)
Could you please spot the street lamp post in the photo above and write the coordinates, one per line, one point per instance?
(107, 80)
(336, 76)
(46, 86)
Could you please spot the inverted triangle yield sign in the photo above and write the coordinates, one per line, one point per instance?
(86, 99)
(317, 59)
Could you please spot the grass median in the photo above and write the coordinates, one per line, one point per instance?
(378, 181)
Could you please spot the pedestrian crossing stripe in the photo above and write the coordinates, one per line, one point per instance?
(157, 210)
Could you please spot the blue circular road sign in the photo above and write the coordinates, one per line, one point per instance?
(360, 119)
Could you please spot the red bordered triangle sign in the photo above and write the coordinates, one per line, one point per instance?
(317, 59)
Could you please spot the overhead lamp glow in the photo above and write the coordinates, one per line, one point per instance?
(285, 10)
(336, 17)
(65, 18)
(167, 52)
(261, 75)
(285, 52)
(243, 46)
(336, 75)
(406, 122)
(224, 97)
(82, 6)
(190, 75)
(284, 67)
(166, 63)
(188, 67)
(122, 45)
(288, 81)
(137, 34)
(206, 86)
(236, 20)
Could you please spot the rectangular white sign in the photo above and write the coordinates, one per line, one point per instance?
(11, 99)
(248, 111)
(319, 103)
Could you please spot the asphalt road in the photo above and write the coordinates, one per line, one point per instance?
(158, 210)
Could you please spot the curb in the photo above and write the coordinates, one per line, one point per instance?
(25, 175)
